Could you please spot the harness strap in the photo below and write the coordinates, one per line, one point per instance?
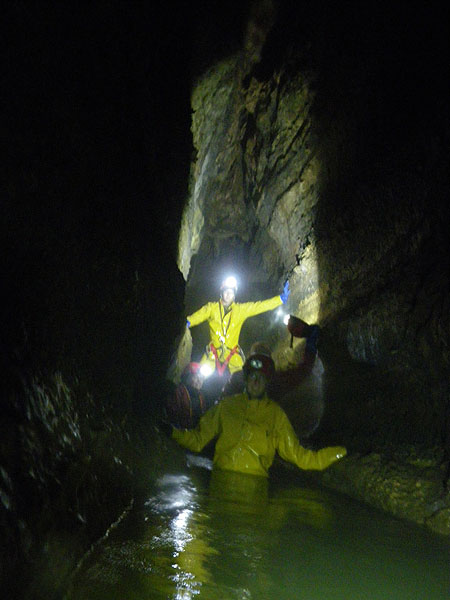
(222, 366)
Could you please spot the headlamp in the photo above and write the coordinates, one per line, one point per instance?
(260, 363)
(205, 370)
(229, 283)
(255, 363)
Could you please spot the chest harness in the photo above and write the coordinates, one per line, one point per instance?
(221, 362)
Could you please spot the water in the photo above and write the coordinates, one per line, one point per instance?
(229, 536)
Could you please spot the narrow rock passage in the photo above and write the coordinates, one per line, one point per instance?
(151, 150)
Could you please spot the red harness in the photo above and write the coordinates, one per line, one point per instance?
(220, 367)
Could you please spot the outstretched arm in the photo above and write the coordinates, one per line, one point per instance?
(250, 309)
(202, 314)
(206, 430)
(289, 449)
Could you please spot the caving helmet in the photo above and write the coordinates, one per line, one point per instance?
(229, 283)
(260, 348)
(193, 368)
(261, 363)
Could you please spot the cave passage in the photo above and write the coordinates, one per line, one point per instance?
(220, 535)
(149, 151)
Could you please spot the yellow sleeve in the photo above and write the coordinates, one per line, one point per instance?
(206, 430)
(250, 309)
(202, 314)
(289, 449)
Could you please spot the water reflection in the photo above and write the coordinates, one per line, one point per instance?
(185, 533)
(231, 536)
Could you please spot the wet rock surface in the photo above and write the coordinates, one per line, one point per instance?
(398, 481)
(69, 467)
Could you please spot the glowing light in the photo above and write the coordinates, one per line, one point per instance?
(206, 370)
(280, 315)
(229, 282)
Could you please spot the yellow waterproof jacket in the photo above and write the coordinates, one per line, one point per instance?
(224, 329)
(249, 433)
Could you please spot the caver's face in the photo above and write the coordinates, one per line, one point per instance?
(228, 297)
(256, 384)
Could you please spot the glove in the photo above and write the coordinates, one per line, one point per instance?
(340, 452)
(188, 323)
(165, 428)
(331, 454)
(335, 453)
(286, 291)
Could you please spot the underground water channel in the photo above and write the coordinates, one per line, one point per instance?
(231, 536)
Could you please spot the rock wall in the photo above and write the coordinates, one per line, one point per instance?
(91, 294)
(321, 156)
(319, 160)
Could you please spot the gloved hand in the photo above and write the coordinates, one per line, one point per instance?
(328, 456)
(335, 453)
(165, 428)
(340, 451)
(285, 294)
(188, 323)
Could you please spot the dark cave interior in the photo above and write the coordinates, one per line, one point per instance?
(97, 125)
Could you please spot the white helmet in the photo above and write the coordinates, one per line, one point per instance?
(229, 283)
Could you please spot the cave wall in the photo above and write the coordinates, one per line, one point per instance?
(321, 156)
(88, 225)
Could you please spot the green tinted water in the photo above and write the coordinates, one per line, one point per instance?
(227, 536)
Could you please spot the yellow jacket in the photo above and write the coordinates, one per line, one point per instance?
(224, 329)
(249, 432)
